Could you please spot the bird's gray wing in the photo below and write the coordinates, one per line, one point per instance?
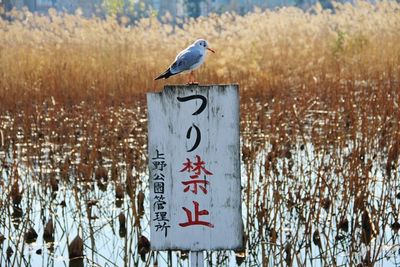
(185, 60)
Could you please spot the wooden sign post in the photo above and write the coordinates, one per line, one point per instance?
(194, 166)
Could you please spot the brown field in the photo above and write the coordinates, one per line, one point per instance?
(320, 125)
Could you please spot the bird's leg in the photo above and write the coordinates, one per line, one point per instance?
(194, 80)
(191, 78)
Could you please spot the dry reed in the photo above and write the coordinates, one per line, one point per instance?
(69, 58)
(320, 124)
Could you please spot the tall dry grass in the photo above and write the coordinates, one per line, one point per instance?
(320, 124)
(72, 58)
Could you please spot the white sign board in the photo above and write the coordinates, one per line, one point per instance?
(194, 165)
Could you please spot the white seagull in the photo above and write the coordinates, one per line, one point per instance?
(188, 60)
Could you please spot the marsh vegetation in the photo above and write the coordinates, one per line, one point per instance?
(320, 129)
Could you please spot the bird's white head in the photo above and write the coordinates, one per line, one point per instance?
(203, 44)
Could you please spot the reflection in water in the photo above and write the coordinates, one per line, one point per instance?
(73, 190)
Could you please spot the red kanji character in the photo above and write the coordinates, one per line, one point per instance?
(195, 167)
(187, 166)
(199, 167)
(195, 183)
(197, 214)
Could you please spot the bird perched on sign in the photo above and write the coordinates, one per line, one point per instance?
(188, 60)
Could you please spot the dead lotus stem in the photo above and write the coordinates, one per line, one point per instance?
(336, 101)
(1, 138)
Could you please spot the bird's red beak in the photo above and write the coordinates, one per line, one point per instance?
(210, 50)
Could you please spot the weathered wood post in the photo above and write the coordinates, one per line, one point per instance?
(194, 166)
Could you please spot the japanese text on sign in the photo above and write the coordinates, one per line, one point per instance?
(194, 165)
(159, 205)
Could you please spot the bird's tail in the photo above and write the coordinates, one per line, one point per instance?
(164, 75)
